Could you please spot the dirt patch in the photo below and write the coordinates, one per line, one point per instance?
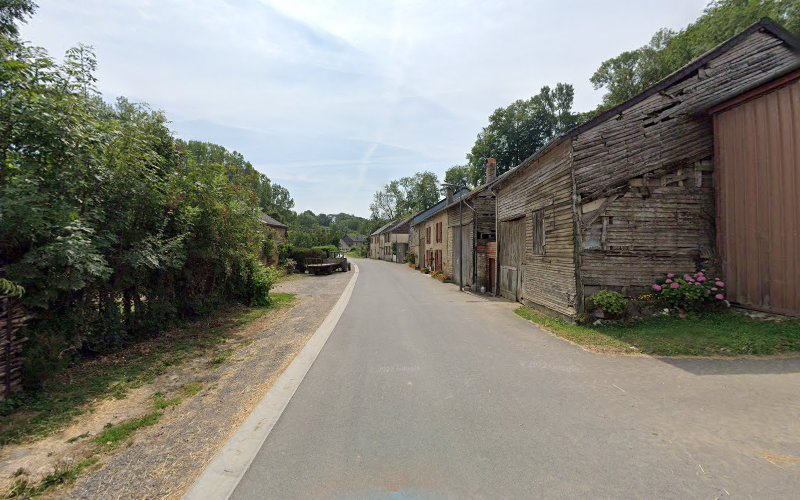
(163, 461)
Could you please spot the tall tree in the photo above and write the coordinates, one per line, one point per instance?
(629, 73)
(405, 196)
(522, 128)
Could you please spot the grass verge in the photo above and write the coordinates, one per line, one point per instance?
(725, 333)
(63, 474)
(68, 394)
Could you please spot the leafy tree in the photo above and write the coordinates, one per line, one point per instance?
(631, 72)
(522, 128)
(460, 175)
(405, 196)
(13, 12)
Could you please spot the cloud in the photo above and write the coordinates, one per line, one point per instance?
(334, 99)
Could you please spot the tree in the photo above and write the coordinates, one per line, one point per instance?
(631, 72)
(405, 196)
(522, 128)
(13, 12)
(459, 175)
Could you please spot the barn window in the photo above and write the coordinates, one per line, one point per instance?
(538, 232)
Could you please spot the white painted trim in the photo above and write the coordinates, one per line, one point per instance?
(223, 473)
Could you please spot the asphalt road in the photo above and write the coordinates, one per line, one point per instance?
(426, 392)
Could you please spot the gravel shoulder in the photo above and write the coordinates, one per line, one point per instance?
(162, 461)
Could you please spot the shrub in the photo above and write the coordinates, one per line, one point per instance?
(328, 249)
(426, 270)
(290, 265)
(410, 258)
(301, 254)
(260, 282)
(690, 292)
(613, 304)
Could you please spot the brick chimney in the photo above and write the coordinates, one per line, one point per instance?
(491, 170)
(449, 193)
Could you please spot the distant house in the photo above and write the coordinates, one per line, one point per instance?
(275, 233)
(390, 242)
(431, 236)
(376, 242)
(698, 171)
(352, 242)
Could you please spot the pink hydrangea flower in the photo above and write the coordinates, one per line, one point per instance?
(688, 278)
(720, 284)
(668, 281)
(700, 273)
(719, 296)
(701, 278)
(657, 288)
(670, 275)
(714, 289)
(675, 285)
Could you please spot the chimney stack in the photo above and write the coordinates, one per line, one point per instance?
(449, 193)
(491, 170)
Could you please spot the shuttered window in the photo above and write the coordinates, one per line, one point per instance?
(538, 232)
(428, 235)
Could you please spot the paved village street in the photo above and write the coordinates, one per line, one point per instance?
(425, 392)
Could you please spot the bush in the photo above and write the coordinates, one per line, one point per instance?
(300, 255)
(426, 270)
(410, 258)
(290, 265)
(328, 249)
(690, 292)
(613, 304)
(260, 281)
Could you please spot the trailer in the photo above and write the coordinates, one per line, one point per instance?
(327, 266)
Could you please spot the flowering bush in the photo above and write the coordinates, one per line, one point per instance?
(426, 270)
(690, 292)
(613, 304)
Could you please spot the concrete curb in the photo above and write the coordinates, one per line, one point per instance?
(223, 473)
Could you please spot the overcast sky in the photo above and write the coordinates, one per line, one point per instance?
(333, 99)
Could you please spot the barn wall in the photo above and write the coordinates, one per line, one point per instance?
(548, 280)
(642, 177)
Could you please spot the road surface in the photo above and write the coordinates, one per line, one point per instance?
(425, 392)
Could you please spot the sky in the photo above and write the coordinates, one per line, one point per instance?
(333, 99)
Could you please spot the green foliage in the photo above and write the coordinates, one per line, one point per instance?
(633, 71)
(63, 474)
(410, 258)
(12, 12)
(113, 227)
(404, 197)
(613, 304)
(261, 279)
(328, 249)
(461, 175)
(300, 255)
(10, 289)
(522, 128)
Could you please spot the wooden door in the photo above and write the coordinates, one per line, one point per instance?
(511, 247)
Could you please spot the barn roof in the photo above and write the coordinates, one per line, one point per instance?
(764, 25)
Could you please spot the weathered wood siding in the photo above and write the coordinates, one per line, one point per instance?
(644, 173)
(547, 280)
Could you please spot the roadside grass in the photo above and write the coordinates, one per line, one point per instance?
(115, 435)
(726, 333)
(63, 474)
(68, 394)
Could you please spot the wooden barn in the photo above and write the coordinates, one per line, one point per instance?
(642, 189)
(471, 235)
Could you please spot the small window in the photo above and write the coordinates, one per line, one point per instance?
(538, 232)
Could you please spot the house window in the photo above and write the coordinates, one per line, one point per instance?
(538, 232)
(438, 232)
(428, 235)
